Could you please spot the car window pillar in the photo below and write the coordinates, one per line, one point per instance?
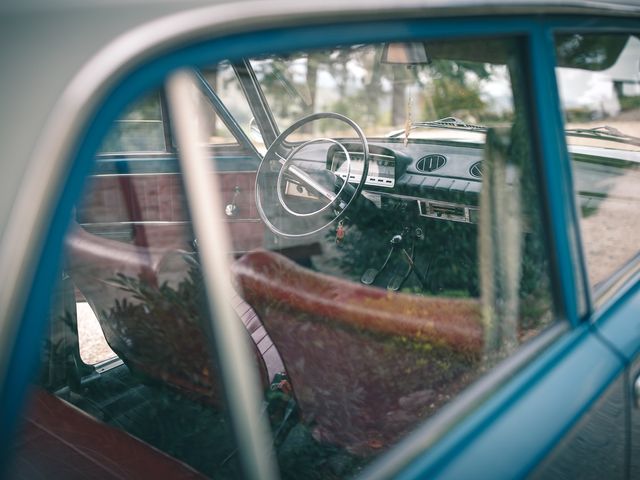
(239, 376)
(569, 273)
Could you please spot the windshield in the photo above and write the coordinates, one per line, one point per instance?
(384, 96)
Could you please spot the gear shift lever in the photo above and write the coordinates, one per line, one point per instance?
(370, 275)
(397, 279)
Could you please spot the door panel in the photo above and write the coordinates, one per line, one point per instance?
(596, 446)
(130, 206)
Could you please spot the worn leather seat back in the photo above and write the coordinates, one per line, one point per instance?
(365, 364)
(150, 305)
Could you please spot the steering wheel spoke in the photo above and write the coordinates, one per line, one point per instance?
(334, 196)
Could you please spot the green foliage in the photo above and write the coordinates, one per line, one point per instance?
(452, 96)
(187, 301)
(458, 71)
(456, 88)
(578, 115)
(629, 103)
(299, 454)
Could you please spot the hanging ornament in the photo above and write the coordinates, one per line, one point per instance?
(340, 231)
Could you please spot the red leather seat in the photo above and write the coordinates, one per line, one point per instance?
(167, 344)
(59, 441)
(365, 364)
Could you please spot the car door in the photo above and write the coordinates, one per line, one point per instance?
(600, 439)
(605, 179)
(546, 379)
(134, 194)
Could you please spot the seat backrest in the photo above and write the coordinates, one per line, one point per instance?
(149, 303)
(365, 364)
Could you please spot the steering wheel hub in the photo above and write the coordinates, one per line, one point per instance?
(324, 196)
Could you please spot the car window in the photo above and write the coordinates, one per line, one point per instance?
(139, 129)
(127, 342)
(224, 82)
(389, 287)
(218, 85)
(375, 85)
(600, 93)
(386, 252)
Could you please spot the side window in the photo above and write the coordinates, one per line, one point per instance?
(599, 81)
(222, 79)
(140, 129)
(404, 250)
(127, 342)
(213, 83)
(390, 252)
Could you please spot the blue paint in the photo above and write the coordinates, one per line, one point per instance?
(556, 174)
(555, 369)
(576, 369)
(619, 322)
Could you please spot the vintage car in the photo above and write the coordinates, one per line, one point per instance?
(320, 240)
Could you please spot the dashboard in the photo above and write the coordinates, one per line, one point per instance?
(442, 179)
(415, 199)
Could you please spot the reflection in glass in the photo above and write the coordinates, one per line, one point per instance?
(600, 93)
(417, 260)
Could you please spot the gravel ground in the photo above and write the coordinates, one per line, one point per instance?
(93, 346)
(610, 234)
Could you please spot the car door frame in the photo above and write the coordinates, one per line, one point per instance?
(566, 349)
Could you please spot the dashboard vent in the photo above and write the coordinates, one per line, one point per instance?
(429, 163)
(476, 170)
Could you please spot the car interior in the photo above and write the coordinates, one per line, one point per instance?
(387, 251)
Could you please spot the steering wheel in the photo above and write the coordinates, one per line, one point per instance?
(314, 186)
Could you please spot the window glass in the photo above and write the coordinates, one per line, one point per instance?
(127, 342)
(223, 80)
(379, 88)
(599, 82)
(215, 84)
(385, 304)
(140, 129)
(386, 253)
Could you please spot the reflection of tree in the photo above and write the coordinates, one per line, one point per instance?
(373, 94)
(590, 52)
(170, 317)
(138, 128)
(456, 89)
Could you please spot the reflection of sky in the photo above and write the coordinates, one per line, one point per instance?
(496, 91)
(587, 89)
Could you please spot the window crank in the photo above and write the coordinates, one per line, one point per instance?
(231, 210)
